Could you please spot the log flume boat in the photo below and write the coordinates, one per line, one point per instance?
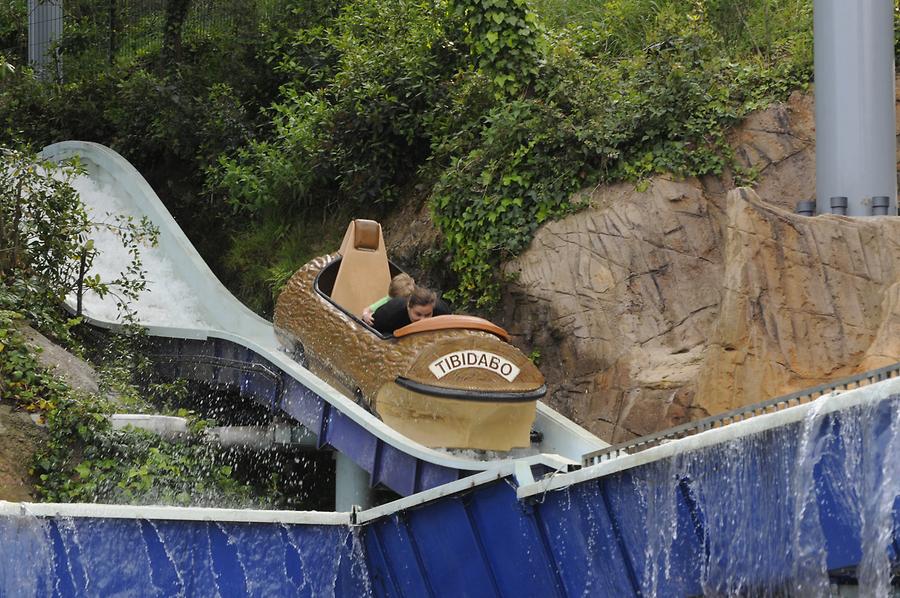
(450, 381)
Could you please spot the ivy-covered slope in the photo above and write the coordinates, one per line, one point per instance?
(272, 133)
(501, 110)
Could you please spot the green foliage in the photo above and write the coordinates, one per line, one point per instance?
(82, 459)
(632, 88)
(270, 252)
(46, 245)
(21, 377)
(502, 109)
(352, 126)
(6, 68)
(664, 109)
(129, 466)
(505, 37)
(13, 31)
(490, 202)
(42, 222)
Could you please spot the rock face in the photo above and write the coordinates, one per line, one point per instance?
(652, 308)
(657, 307)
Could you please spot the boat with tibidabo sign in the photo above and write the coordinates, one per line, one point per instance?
(450, 381)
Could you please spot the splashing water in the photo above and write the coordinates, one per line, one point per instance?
(166, 301)
(787, 516)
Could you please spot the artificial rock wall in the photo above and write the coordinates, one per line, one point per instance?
(655, 307)
(693, 297)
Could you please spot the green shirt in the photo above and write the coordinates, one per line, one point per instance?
(379, 303)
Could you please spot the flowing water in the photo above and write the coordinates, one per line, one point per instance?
(166, 301)
(83, 556)
(783, 506)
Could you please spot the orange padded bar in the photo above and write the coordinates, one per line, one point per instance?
(450, 322)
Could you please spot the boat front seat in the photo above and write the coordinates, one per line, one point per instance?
(363, 275)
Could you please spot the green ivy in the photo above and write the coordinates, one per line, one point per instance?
(505, 37)
(82, 459)
(665, 110)
(22, 379)
(129, 466)
(489, 203)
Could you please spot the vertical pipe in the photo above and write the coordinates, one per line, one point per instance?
(855, 104)
(351, 486)
(44, 32)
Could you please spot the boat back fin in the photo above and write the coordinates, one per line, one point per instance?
(363, 276)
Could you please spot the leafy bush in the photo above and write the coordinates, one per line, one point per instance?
(129, 466)
(46, 247)
(13, 30)
(666, 109)
(506, 40)
(82, 459)
(502, 110)
(356, 131)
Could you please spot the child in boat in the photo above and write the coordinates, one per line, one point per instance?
(402, 285)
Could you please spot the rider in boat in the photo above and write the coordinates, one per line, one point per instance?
(401, 311)
(402, 285)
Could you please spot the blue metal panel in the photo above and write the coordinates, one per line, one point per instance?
(841, 531)
(66, 564)
(524, 565)
(588, 555)
(352, 440)
(654, 529)
(132, 557)
(432, 475)
(165, 573)
(398, 470)
(395, 565)
(301, 403)
(450, 552)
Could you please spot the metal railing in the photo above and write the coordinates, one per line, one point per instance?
(723, 419)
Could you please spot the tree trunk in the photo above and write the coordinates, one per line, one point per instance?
(82, 270)
(17, 221)
(176, 13)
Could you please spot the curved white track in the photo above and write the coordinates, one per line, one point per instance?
(206, 309)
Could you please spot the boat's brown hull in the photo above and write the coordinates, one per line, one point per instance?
(456, 423)
(456, 413)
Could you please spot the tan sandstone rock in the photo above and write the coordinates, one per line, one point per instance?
(651, 308)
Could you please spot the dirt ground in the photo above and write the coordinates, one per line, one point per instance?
(19, 438)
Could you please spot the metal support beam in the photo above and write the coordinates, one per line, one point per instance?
(273, 436)
(855, 106)
(351, 486)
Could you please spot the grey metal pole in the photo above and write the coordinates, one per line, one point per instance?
(855, 104)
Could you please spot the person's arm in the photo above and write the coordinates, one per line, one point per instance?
(369, 312)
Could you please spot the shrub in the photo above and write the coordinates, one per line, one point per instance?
(46, 249)
(666, 109)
